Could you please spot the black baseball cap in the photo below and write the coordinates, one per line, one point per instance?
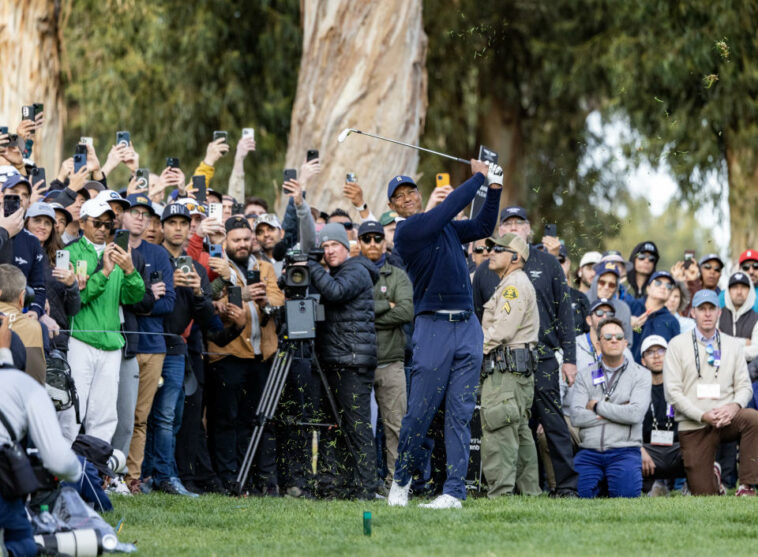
(739, 278)
(600, 302)
(513, 211)
(176, 210)
(237, 221)
(370, 227)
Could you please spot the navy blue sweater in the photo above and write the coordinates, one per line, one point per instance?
(659, 322)
(430, 245)
(29, 256)
(156, 259)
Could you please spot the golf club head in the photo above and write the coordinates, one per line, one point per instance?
(343, 134)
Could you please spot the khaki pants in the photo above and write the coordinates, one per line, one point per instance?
(150, 367)
(699, 451)
(389, 387)
(509, 456)
(544, 451)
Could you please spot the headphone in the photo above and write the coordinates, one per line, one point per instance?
(514, 257)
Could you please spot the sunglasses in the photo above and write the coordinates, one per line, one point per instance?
(666, 284)
(711, 358)
(610, 336)
(368, 238)
(748, 266)
(347, 225)
(98, 224)
(479, 250)
(649, 257)
(498, 249)
(195, 207)
(606, 284)
(655, 352)
(710, 267)
(604, 312)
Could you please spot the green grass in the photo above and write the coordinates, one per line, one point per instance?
(164, 525)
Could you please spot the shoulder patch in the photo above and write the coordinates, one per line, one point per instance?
(510, 293)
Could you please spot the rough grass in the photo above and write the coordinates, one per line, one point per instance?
(163, 525)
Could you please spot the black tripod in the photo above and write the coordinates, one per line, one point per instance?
(269, 400)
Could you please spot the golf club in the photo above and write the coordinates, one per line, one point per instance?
(347, 131)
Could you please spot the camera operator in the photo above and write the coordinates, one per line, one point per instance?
(346, 346)
(239, 370)
(27, 409)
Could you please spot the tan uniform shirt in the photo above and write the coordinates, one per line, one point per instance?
(510, 316)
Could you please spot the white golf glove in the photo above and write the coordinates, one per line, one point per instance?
(495, 174)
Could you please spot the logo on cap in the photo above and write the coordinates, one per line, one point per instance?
(142, 200)
(513, 210)
(399, 178)
(609, 265)
(648, 247)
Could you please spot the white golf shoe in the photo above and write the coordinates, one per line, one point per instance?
(398, 496)
(444, 501)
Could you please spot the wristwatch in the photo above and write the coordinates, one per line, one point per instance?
(363, 207)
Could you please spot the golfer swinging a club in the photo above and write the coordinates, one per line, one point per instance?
(447, 338)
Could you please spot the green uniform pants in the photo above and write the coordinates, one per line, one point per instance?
(509, 456)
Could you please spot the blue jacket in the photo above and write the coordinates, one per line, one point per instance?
(430, 245)
(660, 322)
(156, 259)
(29, 256)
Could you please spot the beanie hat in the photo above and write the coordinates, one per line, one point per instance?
(334, 232)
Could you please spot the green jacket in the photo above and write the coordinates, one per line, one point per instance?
(101, 299)
(393, 286)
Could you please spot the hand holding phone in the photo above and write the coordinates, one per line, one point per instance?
(442, 180)
(235, 296)
(551, 230)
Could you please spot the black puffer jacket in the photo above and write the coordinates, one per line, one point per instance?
(347, 336)
(64, 302)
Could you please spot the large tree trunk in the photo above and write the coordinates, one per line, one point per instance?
(501, 132)
(30, 54)
(364, 67)
(742, 168)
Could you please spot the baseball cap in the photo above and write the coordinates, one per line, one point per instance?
(175, 210)
(615, 256)
(388, 217)
(398, 181)
(705, 296)
(661, 274)
(13, 179)
(711, 257)
(94, 185)
(370, 227)
(334, 232)
(653, 340)
(748, 255)
(649, 247)
(268, 218)
(590, 258)
(58, 207)
(739, 278)
(236, 221)
(600, 302)
(513, 211)
(512, 242)
(41, 209)
(110, 195)
(140, 200)
(607, 267)
(94, 208)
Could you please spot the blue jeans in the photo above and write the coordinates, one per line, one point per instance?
(447, 359)
(164, 422)
(621, 468)
(18, 532)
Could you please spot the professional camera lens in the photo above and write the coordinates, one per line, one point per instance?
(298, 276)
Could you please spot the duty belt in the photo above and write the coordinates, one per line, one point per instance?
(521, 361)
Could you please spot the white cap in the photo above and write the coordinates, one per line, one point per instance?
(653, 340)
(95, 208)
(590, 258)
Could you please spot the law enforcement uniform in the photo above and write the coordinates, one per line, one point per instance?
(511, 329)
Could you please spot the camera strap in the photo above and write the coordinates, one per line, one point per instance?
(8, 427)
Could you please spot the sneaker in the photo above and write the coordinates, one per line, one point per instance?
(717, 473)
(398, 496)
(659, 489)
(173, 486)
(444, 501)
(117, 486)
(745, 491)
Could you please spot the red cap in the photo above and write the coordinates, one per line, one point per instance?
(748, 255)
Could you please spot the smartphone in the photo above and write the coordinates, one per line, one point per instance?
(38, 108)
(253, 276)
(487, 154)
(290, 174)
(38, 174)
(123, 138)
(81, 268)
(238, 208)
(27, 113)
(221, 134)
(62, 259)
(443, 179)
(235, 296)
(350, 178)
(4, 131)
(86, 140)
(248, 132)
(80, 160)
(311, 155)
(216, 250)
(172, 162)
(156, 276)
(689, 254)
(215, 211)
(121, 239)
(143, 178)
(184, 264)
(13, 141)
(551, 230)
(198, 183)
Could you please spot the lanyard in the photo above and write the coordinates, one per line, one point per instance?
(697, 355)
(669, 415)
(615, 381)
(592, 348)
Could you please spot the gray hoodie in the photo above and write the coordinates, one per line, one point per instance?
(618, 421)
(751, 351)
(623, 313)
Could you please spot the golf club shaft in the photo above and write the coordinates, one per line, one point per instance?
(464, 161)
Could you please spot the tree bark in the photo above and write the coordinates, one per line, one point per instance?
(30, 49)
(742, 169)
(364, 67)
(501, 132)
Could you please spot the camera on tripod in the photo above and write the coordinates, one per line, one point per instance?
(300, 313)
